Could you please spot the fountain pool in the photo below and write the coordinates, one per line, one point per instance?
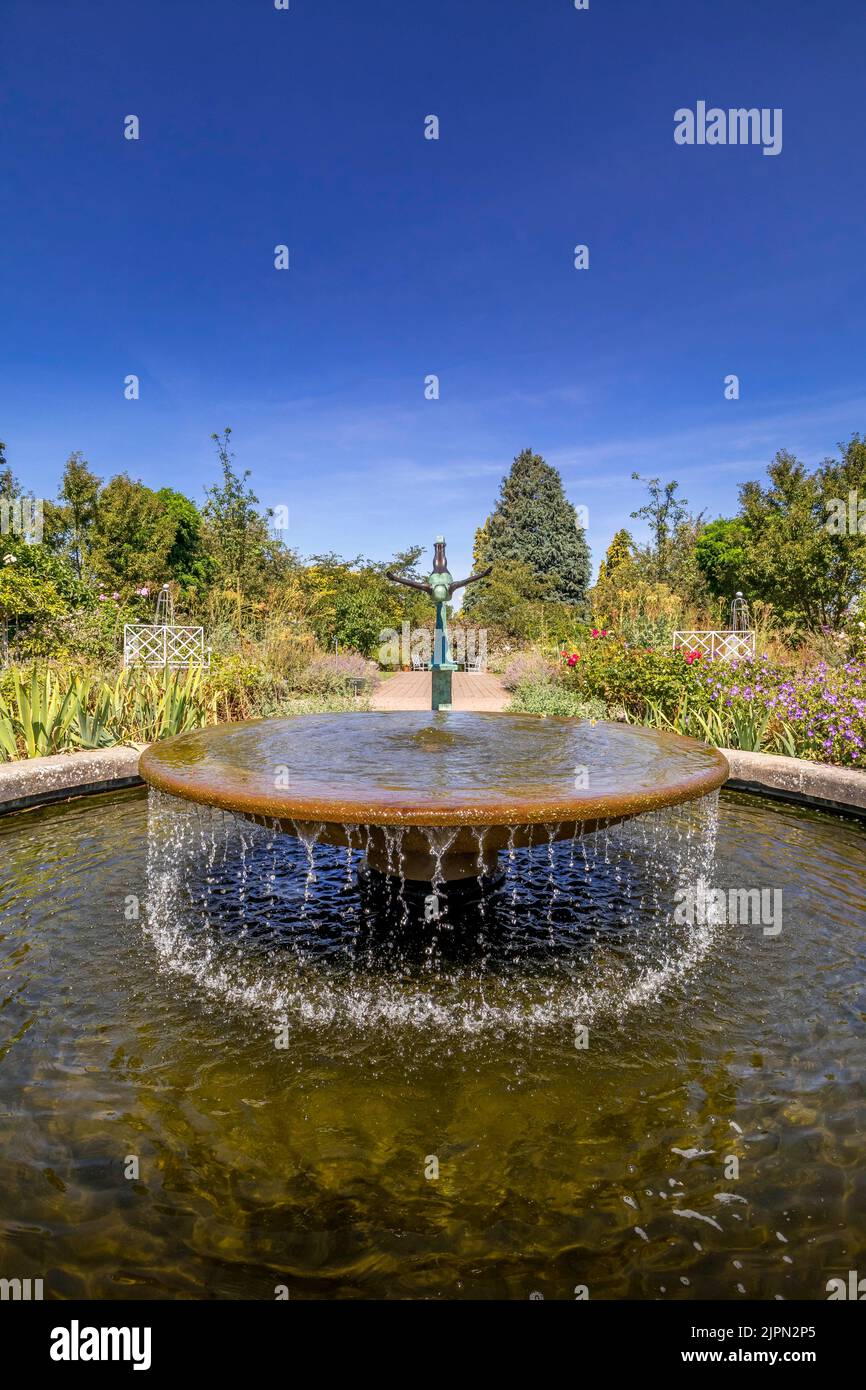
(541, 1091)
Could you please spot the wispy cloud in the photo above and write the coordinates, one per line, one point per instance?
(716, 446)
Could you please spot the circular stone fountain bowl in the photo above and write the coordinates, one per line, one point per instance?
(433, 795)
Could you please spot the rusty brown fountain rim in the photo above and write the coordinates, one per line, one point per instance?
(237, 767)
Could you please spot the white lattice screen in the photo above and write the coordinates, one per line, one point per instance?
(153, 644)
(724, 645)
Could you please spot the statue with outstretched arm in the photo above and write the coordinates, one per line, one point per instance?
(439, 585)
(441, 588)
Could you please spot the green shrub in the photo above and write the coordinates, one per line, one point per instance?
(43, 712)
(334, 703)
(333, 674)
(629, 676)
(547, 697)
(641, 631)
(56, 711)
(240, 687)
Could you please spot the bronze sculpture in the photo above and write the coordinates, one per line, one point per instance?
(441, 587)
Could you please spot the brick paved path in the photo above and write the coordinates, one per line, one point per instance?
(411, 690)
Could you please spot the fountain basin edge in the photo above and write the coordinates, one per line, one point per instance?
(455, 788)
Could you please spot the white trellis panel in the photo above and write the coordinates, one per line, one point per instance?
(719, 645)
(164, 645)
(736, 646)
(695, 642)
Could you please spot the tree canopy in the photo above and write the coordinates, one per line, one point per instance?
(797, 544)
(533, 524)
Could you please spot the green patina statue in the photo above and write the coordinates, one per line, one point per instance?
(440, 586)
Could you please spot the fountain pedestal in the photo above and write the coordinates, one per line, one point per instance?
(425, 866)
(441, 686)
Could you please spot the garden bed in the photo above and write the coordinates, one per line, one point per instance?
(817, 713)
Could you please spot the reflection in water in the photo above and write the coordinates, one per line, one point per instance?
(558, 1165)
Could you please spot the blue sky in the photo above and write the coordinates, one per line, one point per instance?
(411, 257)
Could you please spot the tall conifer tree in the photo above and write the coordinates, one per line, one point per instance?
(535, 524)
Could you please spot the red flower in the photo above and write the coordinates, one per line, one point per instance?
(573, 659)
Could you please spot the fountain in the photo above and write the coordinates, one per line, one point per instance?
(228, 1001)
(433, 798)
(422, 804)
(236, 981)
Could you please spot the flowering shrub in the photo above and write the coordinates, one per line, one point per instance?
(327, 673)
(823, 707)
(532, 665)
(611, 670)
(817, 713)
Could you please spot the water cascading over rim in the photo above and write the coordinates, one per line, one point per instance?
(433, 797)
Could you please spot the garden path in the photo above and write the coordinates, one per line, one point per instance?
(411, 690)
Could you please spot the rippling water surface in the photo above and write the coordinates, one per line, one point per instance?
(143, 991)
